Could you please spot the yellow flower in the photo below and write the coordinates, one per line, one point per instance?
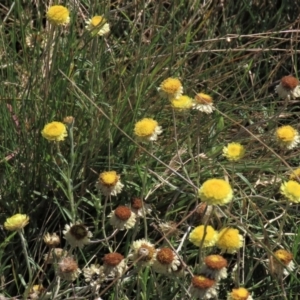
(203, 103)
(196, 236)
(55, 131)
(58, 15)
(285, 265)
(295, 175)
(182, 103)
(291, 190)
(215, 192)
(147, 129)
(97, 26)
(239, 294)
(287, 137)
(109, 183)
(288, 88)
(16, 222)
(234, 151)
(203, 287)
(171, 88)
(229, 240)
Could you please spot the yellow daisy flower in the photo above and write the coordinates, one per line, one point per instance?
(234, 151)
(16, 222)
(239, 294)
(287, 137)
(229, 240)
(171, 88)
(147, 129)
(197, 234)
(291, 190)
(203, 103)
(285, 265)
(97, 25)
(58, 15)
(109, 183)
(182, 103)
(288, 88)
(215, 192)
(55, 131)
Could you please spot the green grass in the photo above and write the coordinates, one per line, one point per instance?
(237, 53)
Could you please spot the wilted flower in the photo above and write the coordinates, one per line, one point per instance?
(169, 228)
(143, 252)
(109, 183)
(203, 103)
(122, 218)
(166, 261)
(203, 287)
(139, 207)
(58, 15)
(114, 264)
(287, 137)
(291, 190)
(229, 240)
(283, 262)
(77, 235)
(147, 130)
(204, 236)
(36, 40)
(182, 103)
(51, 240)
(215, 192)
(239, 294)
(54, 255)
(36, 291)
(288, 88)
(16, 222)
(94, 275)
(215, 267)
(69, 120)
(234, 151)
(97, 25)
(68, 269)
(55, 131)
(171, 88)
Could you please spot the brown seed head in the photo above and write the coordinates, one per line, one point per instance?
(146, 252)
(51, 240)
(67, 265)
(112, 259)
(289, 82)
(69, 120)
(123, 213)
(79, 231)
(202, 282)
(165, 256)
(136, 203)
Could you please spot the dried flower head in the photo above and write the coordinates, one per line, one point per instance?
(166, 261)
(55, 131)
(51, 240)
(229, 240)
(109, 183)
(215, 192)
(58, 15)
(122, 218)
(16, 222)
(69, 120)
(239, 294)
(291, 190)
(147, 130)
(94, 275)
(182, 103)
(77, 235)
(143, 252)
(97, 25)
(36, 40)
(68, 269)
(203, 103)
(202, 213)
(204, 236)
(288, 88)
(54, 255)
(287, 137)
(171, 88)
(215, 267)
(139, 207)
(234, 151)
(170, 228)
(114, 264)
(283, 262)
(203, 287)
(36, 291)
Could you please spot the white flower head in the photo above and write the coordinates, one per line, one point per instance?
(288, 88)
(166, 261)
(122, 218)
(77, 235)
(143, 252)
(94, 275)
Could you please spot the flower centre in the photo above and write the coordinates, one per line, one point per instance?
(123, 213)
(284, 256)
(145, 127)
(146, 252)
(203, 99)
(109, 178)
(215, 262)
(171, 85)
(289, 82)
(136, 203)
(96, 20)
(113, 259)
(165, 256)
(286, 133)
(79, 231)
(240, 294)
(202, 282)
